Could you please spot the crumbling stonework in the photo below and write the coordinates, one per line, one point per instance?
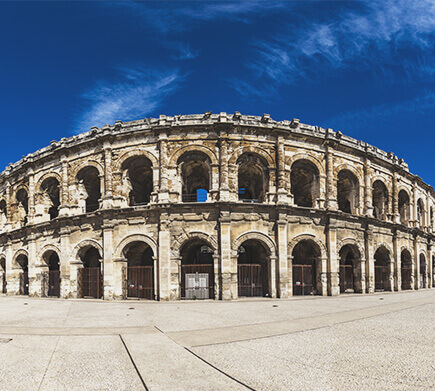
(219, 190)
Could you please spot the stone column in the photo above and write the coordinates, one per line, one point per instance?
(12, 273)
(415, 222)
(290, 274)
(108, 257)
(214, 189)
(331, 188)
(368, 207)
(224, 190)
(120, 270)
(282, 192)
(362, 272)
(108, 181)
(66, 254)
(272, 273)
(164, 254)
(428, 279)
(31, 207)
(8, 197)
(164, 181)
(332, 267)
(217, 278)
(415, 270)
(283, 273)
(397, 263)
(156, 182)
(396, 215)
(64, 202)
(228, 270)
(370, 261)
(35, 280)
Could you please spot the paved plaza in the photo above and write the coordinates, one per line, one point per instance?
(352, 342)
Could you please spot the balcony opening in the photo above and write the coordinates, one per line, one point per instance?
(252, 178)
(304, 180)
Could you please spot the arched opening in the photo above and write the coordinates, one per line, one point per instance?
(348, 267)
(89, 189)
(306, 256)
(140, 270)
(382, 269)
(3, 271)
(380, 200)
(197, 270)
(23, 206)
(406, 269)
(51, 196)
(347, 191)
(404, 207)
(137, 180)
(51, 259)
(304, 180)
(90, 283)
(3, 214)
(422, 271)
(195, 176)
(420, 213)
(23, 263)
(253, 178)
(253, 263)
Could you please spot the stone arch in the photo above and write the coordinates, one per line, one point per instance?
(21, 251)
(173, 159)
(386, 246)
(381, 178)
(19, 187)
(306, 156)
(135, 238)
(422, 251)
(135, 153)
(353, 243)
(48, 247)
(254, 150)
(310, 238)
(405, 189)
(212, 242)
(355, 171)
(87, 243)
(409, 249)
(255, 235)
(49, 175)
(84, 164)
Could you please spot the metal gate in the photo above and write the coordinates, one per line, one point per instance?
(346, 278)
(207, 283)
(303, 280)
(54, 283)
(24, 283)
(91, 282)
(381, 278)
(250, 280)
(406, 278)
(140, 282)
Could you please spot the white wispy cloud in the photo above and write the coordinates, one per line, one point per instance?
(179, 15)
(184, 52)
(363, 118)
(371, 34)
(135, 94)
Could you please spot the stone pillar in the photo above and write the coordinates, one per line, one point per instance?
(64, 201)
(290, 274)
(164, 254)
(156, 182)
(332, 267)
(396, 214)
(224, 190)
(415, 270)
(164, 181)
(217, 278)
(368, 202)
(282, 192)
(108, 179)
(214, 189)
(35, 283)
(228, 271)
(108, 257)
(397, 264)
(370, 261)
(8, 198)
(283, 272)
(331, 188)
(414, 218)
(428, 280)
(31, 207)
(362, 277)
(66, 255)
(12, 272)
(272, 274)
(120, 270)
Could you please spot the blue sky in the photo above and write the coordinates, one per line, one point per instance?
(366, 68)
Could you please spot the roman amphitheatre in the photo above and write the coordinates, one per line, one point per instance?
(213, 206)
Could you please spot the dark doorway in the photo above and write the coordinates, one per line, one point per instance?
(53, 275)
(382, 269)
(23, 262)
(140, 270)
(197, 270)
(89, 177)
(304, 180)
(3, 269)
(90, 276)
(253, 269)
(406, 269)
(252, 178)
(304, 268)
(347, 264)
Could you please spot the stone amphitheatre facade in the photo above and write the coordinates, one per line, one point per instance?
(213, 206)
